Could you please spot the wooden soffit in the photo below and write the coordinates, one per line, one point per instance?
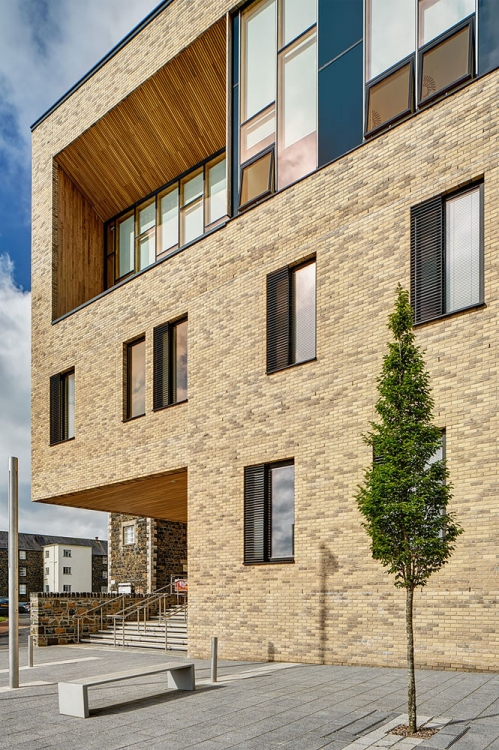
(161, 496)
(170, 123)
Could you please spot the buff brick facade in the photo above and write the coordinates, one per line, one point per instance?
(333, 604)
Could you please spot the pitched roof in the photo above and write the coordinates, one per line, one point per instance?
(37, 541)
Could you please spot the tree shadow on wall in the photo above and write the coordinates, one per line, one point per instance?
(328, 566)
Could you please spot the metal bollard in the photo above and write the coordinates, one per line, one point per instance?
(30, 651)
(214, 659)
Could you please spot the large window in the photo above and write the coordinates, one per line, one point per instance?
(447, 254)
(278, 110)
(135, 379)
(170, 363)
(415, 51)
(291, 316)
(129, 533)
(269, 512)
(175, 215)
(62, 407)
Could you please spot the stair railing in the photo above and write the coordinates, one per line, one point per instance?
(95, 609)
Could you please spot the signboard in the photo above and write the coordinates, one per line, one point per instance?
(181, 586)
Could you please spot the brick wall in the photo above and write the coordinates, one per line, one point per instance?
(334, 604)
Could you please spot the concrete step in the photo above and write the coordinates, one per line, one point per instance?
(150, 636)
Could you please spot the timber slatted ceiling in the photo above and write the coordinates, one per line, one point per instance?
(80, 253)
(173, 121)
(159, 496)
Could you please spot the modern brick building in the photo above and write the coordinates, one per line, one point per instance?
(257, 179)
(39, 567)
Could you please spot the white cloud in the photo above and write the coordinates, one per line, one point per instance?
(15, 422)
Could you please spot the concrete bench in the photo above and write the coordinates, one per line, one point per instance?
(73, 695)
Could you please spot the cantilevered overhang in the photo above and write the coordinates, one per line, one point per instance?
(157, 496)
(173, 121)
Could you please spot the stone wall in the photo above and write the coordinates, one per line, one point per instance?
(99, 567)
(34, 573)
(169, 551)
(53, 620)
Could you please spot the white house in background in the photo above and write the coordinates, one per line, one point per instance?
(67, 568)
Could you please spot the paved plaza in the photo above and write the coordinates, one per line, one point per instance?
(253, 706)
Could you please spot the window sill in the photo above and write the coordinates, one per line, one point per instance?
(477, 306)
(60, 442)
(132, 419)
(284, 561)
(290, 367)
(168, 406)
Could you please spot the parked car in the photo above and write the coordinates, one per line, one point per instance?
(23, 608)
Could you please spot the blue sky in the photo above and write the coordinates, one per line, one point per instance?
(45, 47)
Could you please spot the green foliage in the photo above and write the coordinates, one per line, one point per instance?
(405, 495)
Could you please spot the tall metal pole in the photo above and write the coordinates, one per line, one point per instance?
(13, 577)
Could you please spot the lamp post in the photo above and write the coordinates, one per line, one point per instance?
(13, 576)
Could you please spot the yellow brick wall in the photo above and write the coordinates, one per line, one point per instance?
(334, 604)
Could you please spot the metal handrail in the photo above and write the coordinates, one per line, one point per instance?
(95, 609)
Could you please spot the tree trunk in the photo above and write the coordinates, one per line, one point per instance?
(411, 682)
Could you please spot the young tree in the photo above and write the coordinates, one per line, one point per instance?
(405, 495)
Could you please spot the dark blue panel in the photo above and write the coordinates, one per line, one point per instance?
(340, 106)
(340, 26)
(235, 50)
(488, 36)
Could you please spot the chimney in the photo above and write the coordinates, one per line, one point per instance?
(96, 538)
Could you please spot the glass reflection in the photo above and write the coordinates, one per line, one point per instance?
(191, 225)
(462, 244)
(282, 511)
(136, 379)
(192, 188)
(147, 250)
(258, 58)
(304, 313)
(445, 64)
(126, 239)
(180, 348)
(256, 179)
(297, 154)
(147, 217)
(436, 16)
(168, 212)
(69, 402)
(258, 133)
(389, 98)
(391, 34)
(216, 206)
(296, 17)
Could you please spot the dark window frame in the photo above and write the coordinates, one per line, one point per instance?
(59, 408)
(128, 380)
(280, 342)
(438, 204)
(258, 505)
(159, 401)
(429, 46)
(271, 183)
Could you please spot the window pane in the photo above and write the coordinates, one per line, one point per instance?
(304, 313)
(446, 63)
(389, 98)
(462, 245)
(147, 217)
(436, 16)
(136, 379)
(256, 179)
(258, 134)
(69, 405)
(216, 205)
(126, 238)
(282, 511)
(168, 216)
(391, 34)
(147, 249)
(259, 49)
(297, 147)
(180, 372)
(192, 188)
(296, 17)
(191, 222)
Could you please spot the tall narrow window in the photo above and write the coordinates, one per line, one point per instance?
(269, 512)
(62, 407)
(191, 212)
(168, 220)
(146, 239)
(136, 379)
(291, 316)
(447, 254)
(170, 363)
(216, 192)
(126, 245)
